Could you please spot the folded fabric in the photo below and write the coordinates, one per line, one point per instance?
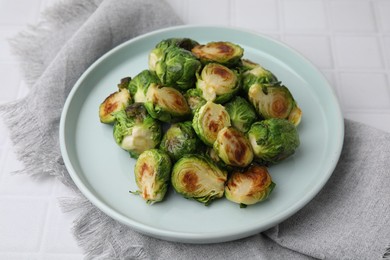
(348, 219)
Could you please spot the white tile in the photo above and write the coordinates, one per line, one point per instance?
(365, 91)
(246, 16)
(3, 133)
(28, 11)
(352, 16)
(10, 81)
(179, 7)
(383, 10)
(58, 237)
(22, 184)
(208, 12)
(21, 224)
(315, 48)
(62, 257)
(307, 15)
(358, 52)
(19, 256)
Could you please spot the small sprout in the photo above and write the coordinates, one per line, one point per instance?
(295, 115)
(115, 102)
(196, 177)
(194, 99)
(140, 84)
(233, 147)
(257, 75)
(245, 65)
(208, 120)
(157, 53)
(166, 104)
(222, 52)
(124, 83)
(210, 153)
(249, 187)
(218, 83)
(152, 175)
(135, 130)
(273, 140)
(180, 139)
(241, 112)
(177, 68)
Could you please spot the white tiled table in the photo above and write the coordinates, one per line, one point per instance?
(348, 40)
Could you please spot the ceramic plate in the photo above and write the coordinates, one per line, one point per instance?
(104, 172)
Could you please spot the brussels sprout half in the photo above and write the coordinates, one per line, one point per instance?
(140, 84)
(218, 83)
(156, 54)
(249, 187)
(257, 75)
(196, 177)
(222, 52)
(152, 175)
(166, 104)
(115, 102)
(245, 65)
(208, 120)
(177, 68)
(241, 112)
(273, 139)
(271, 101)
(135, 130)
(233, 147)
(180, 139)
(194, 99)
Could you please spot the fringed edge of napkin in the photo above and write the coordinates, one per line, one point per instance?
(386, 255)
(92, 226)
(27, 47)
(27, 44)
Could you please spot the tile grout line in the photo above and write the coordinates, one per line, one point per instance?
(333, 51)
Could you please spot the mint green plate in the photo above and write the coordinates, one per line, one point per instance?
(104, 173)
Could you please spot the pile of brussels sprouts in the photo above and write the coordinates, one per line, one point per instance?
(205, 121)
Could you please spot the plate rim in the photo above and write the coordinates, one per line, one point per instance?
(191, 237)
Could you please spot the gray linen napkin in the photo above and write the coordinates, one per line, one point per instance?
(348, 219)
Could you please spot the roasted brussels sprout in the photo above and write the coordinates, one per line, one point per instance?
(140, 84)
(257, 75)
(196, 177)
(115, 102)
(273, 139)
(135, 130)
(249, 187)
(194, 99)
(152, 175)
(222, 52)
(241, 112)
(233, 147)
(208, 120)
(156, 54)
(246, 65)
(177, 68)
(295, 115)
(166, 104)
(124, 83)
(180, 139)
(272, 101)
(210, 153)
(218, 83)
